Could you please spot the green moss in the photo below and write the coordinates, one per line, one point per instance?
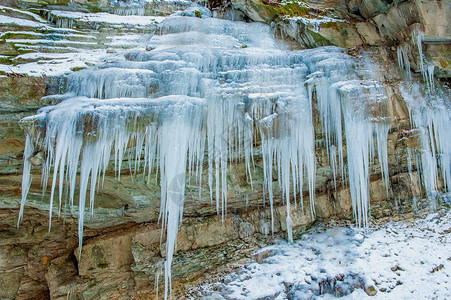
(319, 39)
(335, 25)
(75, 69)
(329, 25)
(94, 8)
(293, 9)
(198, 14)
(21, 35)
(11, 49)
(53, 2)
(7, 35)
(6, 60)
(36, 11)
(271, 12)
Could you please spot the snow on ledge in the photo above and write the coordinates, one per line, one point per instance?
(108, 18)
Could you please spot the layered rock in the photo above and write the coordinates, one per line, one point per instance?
(124, 248)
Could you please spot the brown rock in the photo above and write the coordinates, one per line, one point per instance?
(111, 253)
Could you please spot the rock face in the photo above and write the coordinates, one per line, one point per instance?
(320, 23)
(124, 248)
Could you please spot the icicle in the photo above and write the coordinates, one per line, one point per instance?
(26, 177)
(267, 154)
(417, 40)
(418, 165)
(381, 130)
(129, 11)
(430, 76)
(426, 69)
(333, 163)
(431, 115)
(359, 140)
(173, 150)
(409, 164)
(358, 137)
(414, 204)
(403, 60)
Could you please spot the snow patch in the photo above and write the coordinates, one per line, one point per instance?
(402, 260)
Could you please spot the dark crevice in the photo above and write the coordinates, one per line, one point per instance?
(75, 262)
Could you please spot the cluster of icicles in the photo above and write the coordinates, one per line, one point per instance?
(431, 118)
(219, 87)
(60, 22)
(415, 44)
(429, 109)
(128, 7)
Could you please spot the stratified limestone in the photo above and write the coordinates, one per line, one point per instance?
(124, 249)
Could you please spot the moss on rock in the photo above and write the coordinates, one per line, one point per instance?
(273, 11)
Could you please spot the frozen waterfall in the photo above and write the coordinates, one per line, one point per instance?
(214, 90)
